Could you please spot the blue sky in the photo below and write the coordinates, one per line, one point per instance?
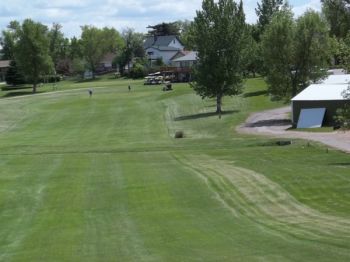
(71, 14)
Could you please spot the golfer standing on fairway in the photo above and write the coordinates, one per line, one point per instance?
(90, 92)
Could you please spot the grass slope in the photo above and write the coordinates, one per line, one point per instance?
(101, 178)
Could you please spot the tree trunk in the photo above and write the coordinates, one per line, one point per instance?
(218, 104)
(294, 88)
(34, 88)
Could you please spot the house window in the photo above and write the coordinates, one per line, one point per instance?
(150, 53)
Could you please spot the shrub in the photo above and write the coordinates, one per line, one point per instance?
(179, 134)
(50, 78)
(137, 71)
(342, 118)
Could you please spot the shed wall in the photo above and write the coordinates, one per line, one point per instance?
(330, 105)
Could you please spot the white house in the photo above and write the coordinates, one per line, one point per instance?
(162, 47)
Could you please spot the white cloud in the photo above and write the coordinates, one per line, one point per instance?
(313, 4)
(117, 13)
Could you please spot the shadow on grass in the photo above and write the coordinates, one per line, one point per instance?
(20, 93)
(256, 93)
(204, 115)
(88, 80)
(271, 122)
(11, 88)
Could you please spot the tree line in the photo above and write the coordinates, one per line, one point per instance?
(38, 52)
(289, 52)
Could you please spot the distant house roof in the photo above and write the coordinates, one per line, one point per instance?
(190, 56)
(337, 71)
(336, 79)
(159, 40)
(5, 63)
(108, 58)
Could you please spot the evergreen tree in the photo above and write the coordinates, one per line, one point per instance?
(164, 29)
(13, 75)
(218, 35)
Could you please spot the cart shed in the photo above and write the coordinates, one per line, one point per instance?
(326, 95)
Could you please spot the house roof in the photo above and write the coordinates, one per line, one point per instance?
(319, 92)
(164, 48)
(4, 63)
(108, 58)
(190, 56)
(336, 71)
(159, 40)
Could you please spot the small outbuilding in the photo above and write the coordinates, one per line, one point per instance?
(328, 95)
(4, 66)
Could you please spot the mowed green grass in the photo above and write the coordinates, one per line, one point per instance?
(103, 179)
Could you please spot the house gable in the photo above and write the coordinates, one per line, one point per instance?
(163, 41)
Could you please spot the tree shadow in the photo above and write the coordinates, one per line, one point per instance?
(88, 80)
(271, 122)
(20, 93)
(11, 88)
(204, 115)
(256, 93)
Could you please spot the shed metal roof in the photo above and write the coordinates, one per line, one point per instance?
(319, 92)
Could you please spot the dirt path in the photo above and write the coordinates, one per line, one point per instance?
(275, 123)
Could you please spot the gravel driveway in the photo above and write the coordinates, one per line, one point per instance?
(275, 123)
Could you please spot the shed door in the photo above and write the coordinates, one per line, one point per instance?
(311, 117)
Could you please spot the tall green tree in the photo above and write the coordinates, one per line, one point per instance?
(341, 51)
(8, 40)
(278, 47)
(296, 53)
(32, 51)
(218, 35)
(75, 48)
(251, 56)
(337, 13)
(265, 10)
(312, 50)
(186, 33)
(133, 47)
(97, 42)
(59, 45)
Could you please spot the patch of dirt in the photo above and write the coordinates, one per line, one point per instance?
(275, 123)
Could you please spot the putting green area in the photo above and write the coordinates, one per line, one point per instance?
(102, 178)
